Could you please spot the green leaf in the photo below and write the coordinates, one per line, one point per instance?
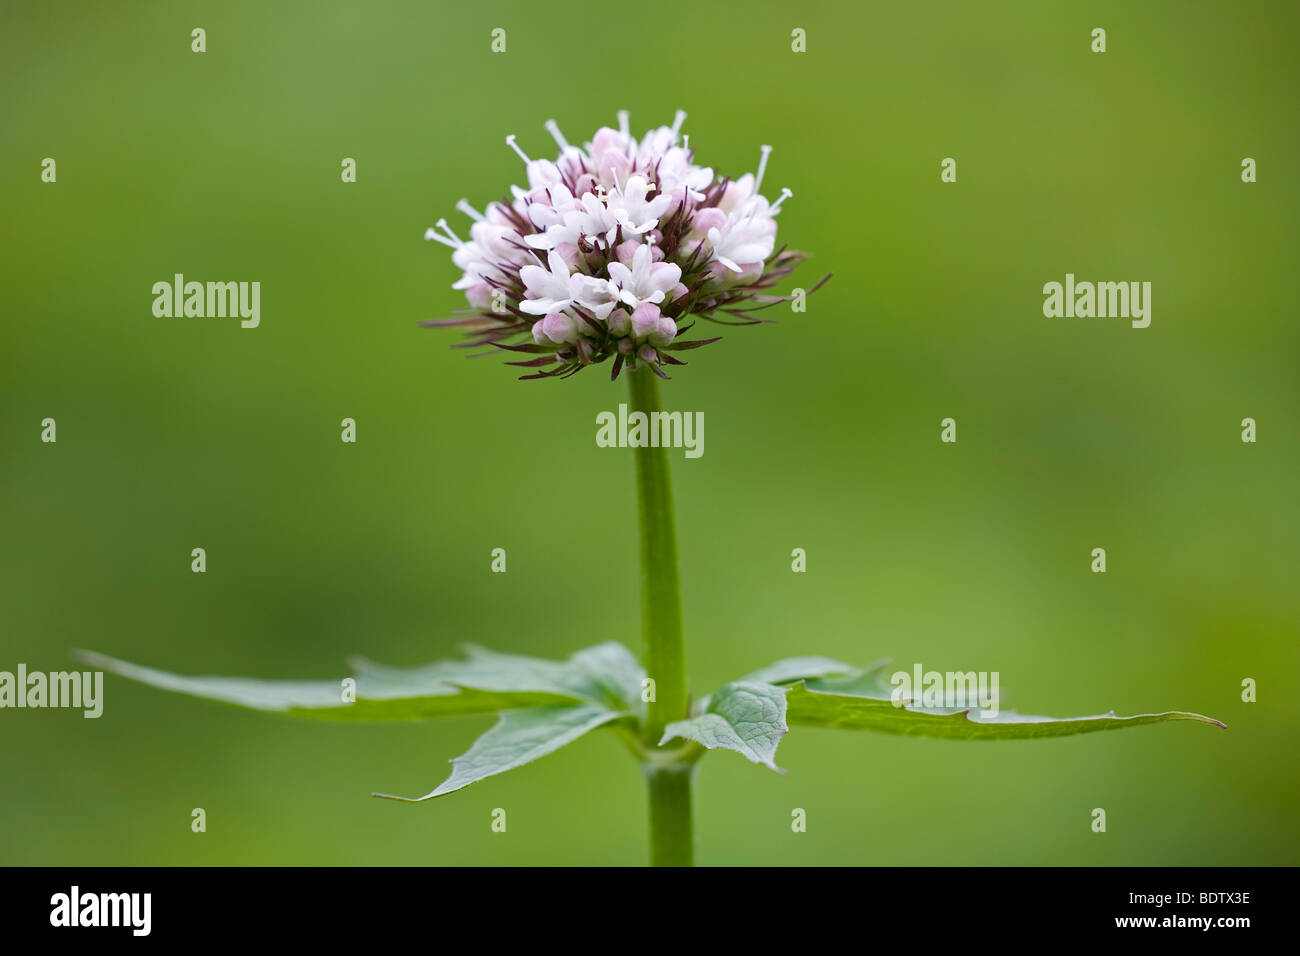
(519, 737)
(606, 673)
(615, 672)
(787, 671)
(485, 682)
(745, 716)
(798, 668)
(861, 703)
(751, 715)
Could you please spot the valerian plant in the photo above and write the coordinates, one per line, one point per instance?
(611, 254)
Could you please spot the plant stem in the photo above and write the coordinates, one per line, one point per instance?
(661, 600)
(661, 626)
(671, 842)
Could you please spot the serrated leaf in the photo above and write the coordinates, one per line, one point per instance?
(745, 716)
(810, 707)
(484, 683)
(519, 737)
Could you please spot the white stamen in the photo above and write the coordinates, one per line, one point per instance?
(510, 141)
(464, 206)
(433, 234)
(686, 141)
(678, 120)
(762, 167)
(623, 126)
(776, 206)
(442, 224)
(553, 128)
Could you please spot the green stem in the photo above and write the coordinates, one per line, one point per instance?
(661, 600)
(661, 626)
(671, 843)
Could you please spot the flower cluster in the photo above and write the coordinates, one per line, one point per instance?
(613, 250)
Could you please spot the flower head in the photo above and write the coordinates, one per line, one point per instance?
(612, 251)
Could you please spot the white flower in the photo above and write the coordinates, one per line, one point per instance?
(544, 215)
(595, 295)
(744, 240)
(634, 212)
(548, 291)
(597, 217)
(658, 141)
(590, 220)
(677, 174)
(646, 281)
(748, 235)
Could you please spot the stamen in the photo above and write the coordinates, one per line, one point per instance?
(686, 141)
(623, 126)
(464, 206)
(776, 206)
(442, 224)
(433, 234)
(762, 167)
(553, 128)
(510, 141)
(678, 120)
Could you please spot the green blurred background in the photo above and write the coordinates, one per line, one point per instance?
(822, 430)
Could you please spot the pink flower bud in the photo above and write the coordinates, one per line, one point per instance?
(664, 332)
(620, 323)
(560, 328)
(645, 319)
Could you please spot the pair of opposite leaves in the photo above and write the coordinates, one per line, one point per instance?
(546, 704)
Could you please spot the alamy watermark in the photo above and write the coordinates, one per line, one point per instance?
(213, 300)
(82, 690)
(1085, 300)
(653, 430)
(974, 690)
(75, 908)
